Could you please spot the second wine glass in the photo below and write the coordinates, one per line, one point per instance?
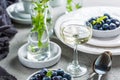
(73, 33)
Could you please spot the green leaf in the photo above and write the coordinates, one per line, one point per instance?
(78, 6)
(69, 1)
(49, 73)
(69, 8)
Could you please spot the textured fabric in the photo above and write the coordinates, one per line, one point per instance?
(4, 75)
(7, 30)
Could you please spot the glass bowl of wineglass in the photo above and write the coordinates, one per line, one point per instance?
(74, 33)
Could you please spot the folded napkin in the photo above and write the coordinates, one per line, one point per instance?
(7, 30)
(4, 75)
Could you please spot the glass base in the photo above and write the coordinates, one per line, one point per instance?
(76, 71)
(38, 57)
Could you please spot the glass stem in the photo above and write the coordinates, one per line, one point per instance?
(75, 56)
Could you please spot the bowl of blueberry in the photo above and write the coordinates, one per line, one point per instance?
(46, 74)
(105, 26)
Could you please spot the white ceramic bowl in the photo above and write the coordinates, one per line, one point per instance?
(107, 33)
(39, 71)
(55, 57)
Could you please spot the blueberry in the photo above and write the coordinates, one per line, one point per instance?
(46, 78)
(54, 73)
(95, 27)
(57, 78)
(65, 79)
(117, 23)
(44, 70)
(108, 21)
(108, 16)
(38, 76)
(67, 76)
(33, 78)
(105, 26)
(60, 72)
(112, 26)
(91, 20)
(113, 20)
(42, 74)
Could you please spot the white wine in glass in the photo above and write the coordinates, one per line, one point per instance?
(76, 34)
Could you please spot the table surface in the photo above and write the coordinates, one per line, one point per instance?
(14, 67)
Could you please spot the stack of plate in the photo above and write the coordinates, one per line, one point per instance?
(16, 16)
(95, 45)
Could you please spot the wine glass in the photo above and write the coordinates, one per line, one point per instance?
(75, 33)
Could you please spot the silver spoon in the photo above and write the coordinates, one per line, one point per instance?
(102, 64)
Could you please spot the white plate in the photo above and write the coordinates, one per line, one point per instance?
(55, 57)
(95, 45)
(15, 17)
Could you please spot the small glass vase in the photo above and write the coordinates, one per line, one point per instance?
(38, 40)
(36, 53)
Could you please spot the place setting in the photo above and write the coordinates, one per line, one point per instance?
(76, 33)
(91, 30)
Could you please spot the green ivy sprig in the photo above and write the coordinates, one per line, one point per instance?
(69, 5)
(38, 20)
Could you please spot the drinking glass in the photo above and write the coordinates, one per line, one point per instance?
(75, 33)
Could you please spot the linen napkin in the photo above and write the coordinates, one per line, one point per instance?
(4, 75)
(7, 30)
